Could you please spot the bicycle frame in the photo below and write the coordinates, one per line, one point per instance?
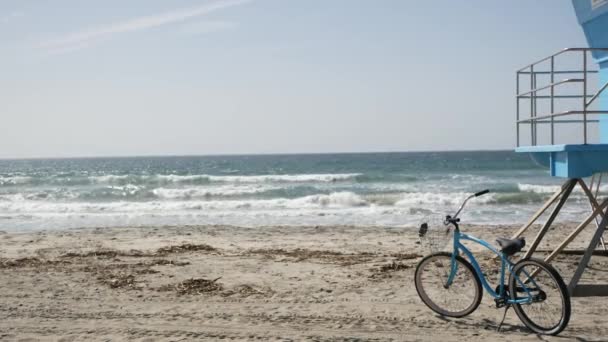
(439, 272)
(505, 264)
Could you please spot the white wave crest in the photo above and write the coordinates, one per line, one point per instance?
(539, 189)
(431, 198)
(21, 212)
(336, 199)
(14, 180)
(330, 177)
(181, 178)
(109, 178)
(323, 178)
(204, 192)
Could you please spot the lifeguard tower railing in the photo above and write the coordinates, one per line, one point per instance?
(531, 90)
(573, 93)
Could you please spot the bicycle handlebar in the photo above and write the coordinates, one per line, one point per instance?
(483, 192)
(477, 194)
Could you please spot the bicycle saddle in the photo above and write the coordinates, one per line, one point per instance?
(511, 246)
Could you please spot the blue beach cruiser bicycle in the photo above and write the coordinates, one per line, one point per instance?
(450, 283)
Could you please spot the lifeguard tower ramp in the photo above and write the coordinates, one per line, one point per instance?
(562, 122)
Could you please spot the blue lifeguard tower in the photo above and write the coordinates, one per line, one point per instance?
(567, 93)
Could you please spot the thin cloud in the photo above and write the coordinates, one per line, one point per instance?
(80, 39)
(208, 27)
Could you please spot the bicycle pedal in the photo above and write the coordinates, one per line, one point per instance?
(500, 302)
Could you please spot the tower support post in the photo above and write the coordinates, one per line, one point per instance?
(541, 233)
(588, 290)
(598, 210)
(540, 212)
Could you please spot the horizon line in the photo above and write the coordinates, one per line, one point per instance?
(237, 154)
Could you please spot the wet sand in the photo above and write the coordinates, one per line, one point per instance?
(231, 283)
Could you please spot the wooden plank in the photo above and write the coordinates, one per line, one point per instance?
(597, 252)
(541, 233)
(592, 198)
(577, 231)
(587, 256)
(541, 211)
(590, 290)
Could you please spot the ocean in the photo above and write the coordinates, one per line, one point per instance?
(378, 189)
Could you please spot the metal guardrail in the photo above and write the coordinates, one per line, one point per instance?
(531, 94)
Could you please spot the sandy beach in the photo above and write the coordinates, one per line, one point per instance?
(231, 283)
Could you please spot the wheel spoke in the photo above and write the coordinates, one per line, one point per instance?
(548, 314)
(460, 298)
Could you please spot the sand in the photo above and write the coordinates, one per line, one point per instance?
(231, 283)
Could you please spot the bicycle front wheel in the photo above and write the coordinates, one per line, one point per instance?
(547, 307)
(458, 299)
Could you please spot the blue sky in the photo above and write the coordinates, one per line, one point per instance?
(151, 77)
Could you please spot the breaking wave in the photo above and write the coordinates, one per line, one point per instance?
(168, 179)
(540, 189)
(251, 191)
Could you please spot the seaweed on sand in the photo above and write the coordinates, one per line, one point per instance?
(246, 290)
(118, 280)
(301, 254)
(194, 286)
(384, 271)
(29, 262)
(187, 247)
(110, 253)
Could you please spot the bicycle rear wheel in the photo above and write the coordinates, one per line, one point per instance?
(458, 299)
(548, 313)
